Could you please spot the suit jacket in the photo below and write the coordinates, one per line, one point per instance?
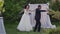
(38, 14)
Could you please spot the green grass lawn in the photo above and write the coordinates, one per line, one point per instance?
(11, 29)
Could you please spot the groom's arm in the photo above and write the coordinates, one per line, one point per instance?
(43, 10)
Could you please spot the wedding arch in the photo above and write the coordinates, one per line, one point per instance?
(45, 19)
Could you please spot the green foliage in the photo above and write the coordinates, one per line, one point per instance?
(12, 9)
(55, 31)
(55, 6)
(39, 1)
(1, 7)
(55, 14)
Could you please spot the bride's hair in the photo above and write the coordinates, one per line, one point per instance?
(26, 6)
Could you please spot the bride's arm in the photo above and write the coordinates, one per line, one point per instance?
(32, 10)
(21, 11)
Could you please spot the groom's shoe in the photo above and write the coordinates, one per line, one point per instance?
(34, 30)
(38, 30)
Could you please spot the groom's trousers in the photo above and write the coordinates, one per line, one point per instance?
(38, 25)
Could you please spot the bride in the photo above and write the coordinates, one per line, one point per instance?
(24, 24)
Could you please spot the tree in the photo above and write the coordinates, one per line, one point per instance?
(55, 5)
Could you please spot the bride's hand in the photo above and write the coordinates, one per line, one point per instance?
(29, 13)
(29, 10)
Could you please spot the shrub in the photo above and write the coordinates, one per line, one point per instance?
(1, 7)
(12, 9)
(55, 31)
(55, 6)
(55, 14)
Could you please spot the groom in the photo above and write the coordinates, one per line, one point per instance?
(37, 18)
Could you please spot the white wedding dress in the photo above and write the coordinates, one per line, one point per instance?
(24, 24)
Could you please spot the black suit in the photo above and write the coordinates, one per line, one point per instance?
(37, 18)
